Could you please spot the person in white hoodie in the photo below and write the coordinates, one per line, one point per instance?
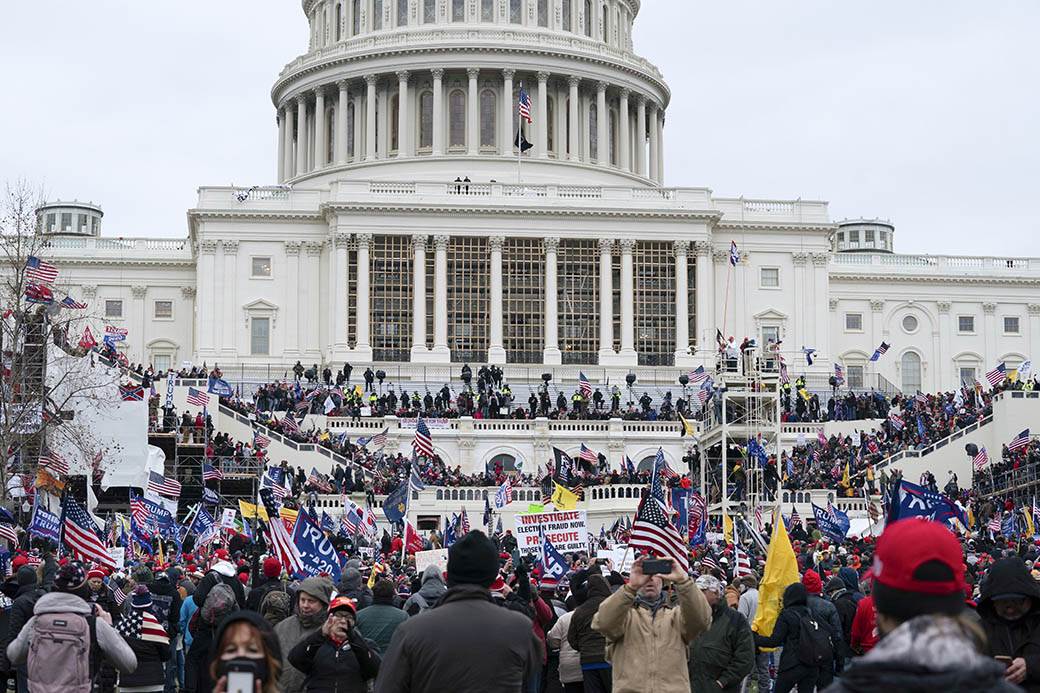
(570, 660)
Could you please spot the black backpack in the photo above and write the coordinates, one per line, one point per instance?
(814, 643)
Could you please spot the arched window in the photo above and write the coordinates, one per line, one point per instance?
(402, 12)
(339, 21)
(355, 13)
(568, 23)
(330, 136)
(377, 15)
(429, 13)
(458, 10)
(487, 118)
(487, 10)
(457, 119)
(588, 18)
(550, 125)
(612, 114)
(507, 461)
(515, 12)
(440, 494)
(604, 15)
(395, 136)
(426, 121)
(910, 365)
(543, 13)
(593, 132)
(350, 130)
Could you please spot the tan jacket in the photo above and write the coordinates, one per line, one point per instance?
(647, 652)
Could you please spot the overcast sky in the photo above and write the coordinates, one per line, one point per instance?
(922, 112)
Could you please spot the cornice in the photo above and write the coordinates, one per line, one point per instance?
(936, 279)
(255, 215)
(724, 225)
(124, 262)
(331, 208)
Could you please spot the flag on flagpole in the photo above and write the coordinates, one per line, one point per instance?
(423, 441)
(157, 483)
(584, 385)
(71, 303)
(1020, 441)
(808, 354)
(278, 537)
(40, 271)
(880, 351)
(997, 375)
(734, 254)
(780, 571)
(524, 105)
(197, 398)
(81, 536)
(651, 530)
(980, 460)
(211, 472)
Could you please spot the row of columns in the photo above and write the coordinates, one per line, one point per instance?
(302, 139)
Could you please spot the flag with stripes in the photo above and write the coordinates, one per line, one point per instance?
(796, 519)
(584, 385)
(260, 440)
(997, 375)
(131, 393)
(463, 523)
(697, 375)
(839, 374)
(81, 536)
(708, 563)
(319, 481)
(71, 303)
(423, 442)
(141, 624)
(896, 421)
(9, 533)
(785, 377)
(211, 473)
(524, 105)
(54, 463)
(504, 494)
(157, 483)
(197, 398)
(703, 395)
(588, 454)
(278, 538)
(652, 530)
(742, 563)
(1020, 441)
(880, 351)
(289, 424)
(994, 523)
(40, 271)
(350, 523)
(274, 480)
(980, 460)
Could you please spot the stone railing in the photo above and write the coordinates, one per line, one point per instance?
(698, 198)
(788, 211)
(113, 246)
(934, 264)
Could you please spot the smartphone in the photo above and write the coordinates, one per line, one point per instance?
(661, 566)
(241, 676)
(1005, 660)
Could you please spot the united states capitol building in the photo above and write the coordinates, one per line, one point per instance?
(403, 229)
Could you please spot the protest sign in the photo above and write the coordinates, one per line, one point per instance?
(45, 524)
(227, 518)
(118, 554)
(567, 531)
(437, 557)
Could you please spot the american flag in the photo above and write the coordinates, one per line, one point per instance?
(319, 481)
(423, 442)
(880, 351)
(1020, 441)
(651, 530)
(839, 374)
(785, 377)
(54, 463)
(588, 454)
(980, 460)
(278, 538)
(118, 595)
(379, 439)
(698, 375)
(70, 302)
(708, 563)
(524, 108)
(896, 421)
(997, 375)
(504, 494)
(668, 472)
(197, 398)
(157, 483)
(758, 518)
(463, 523)
(38, 271)
(81, 536)
(742, 563)
(139, 511)
(734, 254)
(141, 624)
(289, 424)
(260, 440)
(584, 385)
(350, 523)
(796, 519)
(994, 523)
(211, 472)
(9, 533)
(702, 396)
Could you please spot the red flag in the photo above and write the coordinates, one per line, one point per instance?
(87, 341)
(412, 541)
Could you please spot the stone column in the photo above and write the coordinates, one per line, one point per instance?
(606, 299)
(363, 346)
(359, 127)
(640, 153)
(206, 318)
(292, 299)
(628, 291)
(542, 117)
(319, 128)
(473, 113)
(680, 250)
(440, 298)
(660, 146)
(820, 262)
(419, 350)
(280, 119)
(289, 162)
(341, 122)
(228, 297)
(496, 344)
(624, 139)
(301, 135)
(989, 332)
(340, 282)
(403, 139)
(572, 135)
(138, 319)
(438, 110)
(704, 294)
(1034, 328)
(551, 354)
(311, 299)
(370, 117)
(602, 126)
(507, 112)
(654, 151)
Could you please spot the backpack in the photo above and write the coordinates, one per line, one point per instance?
(420, 601)
(814, 643)
(63, 653)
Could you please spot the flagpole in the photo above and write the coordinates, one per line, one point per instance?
(519, 146)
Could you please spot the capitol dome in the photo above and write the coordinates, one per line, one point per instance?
(428, 90)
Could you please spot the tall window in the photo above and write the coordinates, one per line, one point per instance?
(487, 10)
(568, 23)
(604, 15)
(457, 119)
(402, 12)
(377, 14)
(567, 126)
(429, 11)
(593, 132)
(458, 10)
(654, 303)
(578, 297)
(260, 336)
(515, 11)
(391, 298)
(523, 298)
(395, 121)
(588, 18)
(426, 120)
(487, 118)
(469, 288)
(355, 14)
(543, 12)
(550, 125)
(330, 135)
(351, 115)
(339, 21)
(613, 137)
(910, 365)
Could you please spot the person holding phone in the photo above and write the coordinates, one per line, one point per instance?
(336, 658)
(1009, 610)
(646, 633)
(246, 655)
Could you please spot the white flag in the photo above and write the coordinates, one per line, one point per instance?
(227, 519)
(1025, 369)
(329, 404)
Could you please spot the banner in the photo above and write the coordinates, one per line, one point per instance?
(432, 424)
(316, 551)
(169, 388)
(424, 559)
(45, 524)
(834, 525)
(227, 518)
(567, 531)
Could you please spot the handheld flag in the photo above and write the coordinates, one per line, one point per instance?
(781, 570)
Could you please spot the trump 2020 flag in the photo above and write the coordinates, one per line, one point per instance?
(833, 524)
(317, 555)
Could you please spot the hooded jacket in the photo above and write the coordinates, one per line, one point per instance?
(222, 571)
(787, 628)
(292, 631)
(926, 654)
(724, 654)
(332, 668)
(1019, 638)
(431, 591)
(350, 586)
(590, 643)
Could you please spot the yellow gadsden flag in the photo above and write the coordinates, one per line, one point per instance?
(1029, 520)
(686, 428)
(250, 511)
(564, 499)
(727, 528)
(781, 571)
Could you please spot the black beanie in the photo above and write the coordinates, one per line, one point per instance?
(473, 560)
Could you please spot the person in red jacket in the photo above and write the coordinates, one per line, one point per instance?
(864, 626)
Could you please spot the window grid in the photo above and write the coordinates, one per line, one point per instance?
(691, 300)
(567, 21)
(488, 121)
(426, 120)
(578, 301)
(654, 303)
(854, 321)
(457, 119)
(515, 11)
(523, 296)
(163, 309)
(487, 10)
(114, 308)
(469, 289)
(965, 323)
(402, 12)
(377, 15)
(429, 11)
(395, 121)
(1011, 325)
(391, 298)
(543, 13)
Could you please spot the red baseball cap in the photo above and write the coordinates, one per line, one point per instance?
(918, 569)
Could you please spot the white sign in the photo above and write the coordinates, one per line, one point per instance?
(432, 424)
(227, 519)
(437, 557)
(118, 554)
(620, 556)
(567, 531)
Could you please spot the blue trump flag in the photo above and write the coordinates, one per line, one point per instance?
(45, 524)
(396, 504)
(554, 565)
(1008, 526)
(680, 503)
(317, 555)
(327, 523)
(833, 524)
(910, 500)
(220, 387)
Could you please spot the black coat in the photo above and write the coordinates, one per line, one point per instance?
(22, 609)
(257, 594)
(212, 578)
(332, 669)
(787, 629)
(589, 642)
(166, 604)
(151, 659)
(1019, 638)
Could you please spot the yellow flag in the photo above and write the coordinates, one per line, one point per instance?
(971, 518)
(250, 511)
(781, 570)
(687, 428)
(727, 528)
(289, 514)
(377, 570)
(1029, 520)
(845, 477)
(564, 499)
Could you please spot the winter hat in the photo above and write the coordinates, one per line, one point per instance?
(96, 573)
(317, 587)
(343, 603)
(25, 576)
(709, 583)
(70, 577)
(918, 569)
(472, 560)
(18, 562)
(272, 567)
(812, 582)
(142, 598)
(835, 584)
(497, 587)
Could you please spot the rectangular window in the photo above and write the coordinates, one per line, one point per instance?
(82, 223)
(113, 308)
(966, 323)
(967, 376)
(855, 377)
(260, 336)
(487, 10)
(853, 322)
(654, 300)
(770, 333)
(402, 12)
(66, 221)
(868, 235)
(163, 310)
(51, 220)
(1011, 324)
(543, 12)
(261, 267)
(523, 298)
(854, 236)
(161, 362)
(770, 277)
(458, 10)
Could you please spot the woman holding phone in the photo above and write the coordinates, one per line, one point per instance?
(336, 658)
(246, 657)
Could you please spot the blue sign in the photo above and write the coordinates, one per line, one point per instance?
(204, 527)
(45, 524)
(834, 524)
(316, 551)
